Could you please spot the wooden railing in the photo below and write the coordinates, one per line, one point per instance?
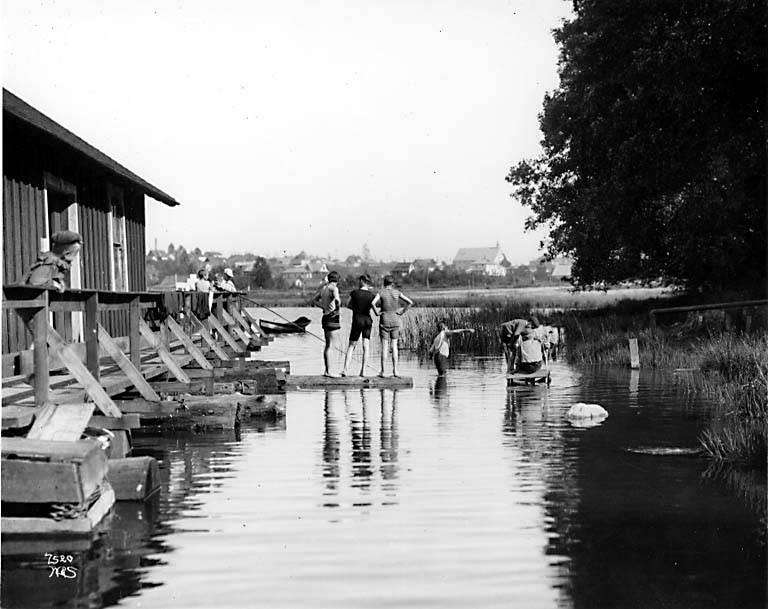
(34, 304)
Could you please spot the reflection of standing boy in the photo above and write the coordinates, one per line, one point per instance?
(441, 346)
(328, 299)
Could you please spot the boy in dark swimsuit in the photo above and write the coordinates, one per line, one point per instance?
(361, 303)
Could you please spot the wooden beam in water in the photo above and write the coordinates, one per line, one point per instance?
(145, 408)
(162, 352)
(298, 382)
(127, 421)
(18, 417)
(204, 386)
(134, 375)
(190, 346)
(134, 478)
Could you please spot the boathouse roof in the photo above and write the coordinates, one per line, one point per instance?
(21, 110)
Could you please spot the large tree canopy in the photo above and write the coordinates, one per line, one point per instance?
(654, 158)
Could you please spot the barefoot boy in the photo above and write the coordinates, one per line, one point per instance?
(441, 346)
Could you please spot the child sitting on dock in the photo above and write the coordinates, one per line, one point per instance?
(441, 346)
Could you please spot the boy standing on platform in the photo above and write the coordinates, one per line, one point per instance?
(388, 301)
(328, 299)
(361, 303)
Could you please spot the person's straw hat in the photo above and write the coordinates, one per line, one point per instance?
(228, 272)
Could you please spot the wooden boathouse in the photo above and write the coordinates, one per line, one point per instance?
(53, 180)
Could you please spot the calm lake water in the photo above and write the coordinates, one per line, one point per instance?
(456, 493)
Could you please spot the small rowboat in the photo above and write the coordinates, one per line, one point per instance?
(529, 378)
(296, 326)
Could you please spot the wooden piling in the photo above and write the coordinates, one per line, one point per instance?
(634, 354)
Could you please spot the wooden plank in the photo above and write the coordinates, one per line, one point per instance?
(194, 350)
(127, 421)
(162, 352)
(230, 321)
(96, 392)
(215, 324)
(238, 317)
(246, 340)
(53, 482)
(634, 354)
(144, 407)
(61, 422)
(92, 334)
(66, 527)
(18, 417)
(296, 382)
(133, 374)
(204, 386)
(134, 479)
(208, 338)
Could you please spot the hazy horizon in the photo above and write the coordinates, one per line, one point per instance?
(300, 125)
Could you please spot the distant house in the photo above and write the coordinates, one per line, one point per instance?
(402, 269)
(305, 275)
(317, 267)
(482, 260)
(562, 270)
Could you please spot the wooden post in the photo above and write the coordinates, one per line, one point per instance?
(91, 335)
(134, 315)
(193, 349)
(634, 354)
(134, 374)
(209, 340)
(40, 333)
(162, 352)
(238, 317)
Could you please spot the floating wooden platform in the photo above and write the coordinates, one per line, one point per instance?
(529, 378)
(294, 382)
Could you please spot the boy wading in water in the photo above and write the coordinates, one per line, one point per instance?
(388, 301)
(361, 303)
(327, 298)
(441, 346)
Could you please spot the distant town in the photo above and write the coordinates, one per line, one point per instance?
(175, 268)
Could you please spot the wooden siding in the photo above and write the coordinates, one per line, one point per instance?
(26, 157)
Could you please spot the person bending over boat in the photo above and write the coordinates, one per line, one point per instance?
(531, 353)
(509, 332)
(361, 303)
(388, 301)
(441, 346)
(328, 299)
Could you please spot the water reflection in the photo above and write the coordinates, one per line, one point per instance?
(351, 431)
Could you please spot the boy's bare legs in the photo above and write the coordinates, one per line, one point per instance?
(395, 357)
(348, 356)
(384, 353)
(366, 348)
(329, 337)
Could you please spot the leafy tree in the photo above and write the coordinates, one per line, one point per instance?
(261, 274)
(654, 143)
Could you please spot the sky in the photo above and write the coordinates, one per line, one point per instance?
(317, 125)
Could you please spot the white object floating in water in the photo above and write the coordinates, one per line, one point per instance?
(586, 411)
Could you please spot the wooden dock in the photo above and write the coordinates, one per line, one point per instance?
(530, 378)
(294, 382)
